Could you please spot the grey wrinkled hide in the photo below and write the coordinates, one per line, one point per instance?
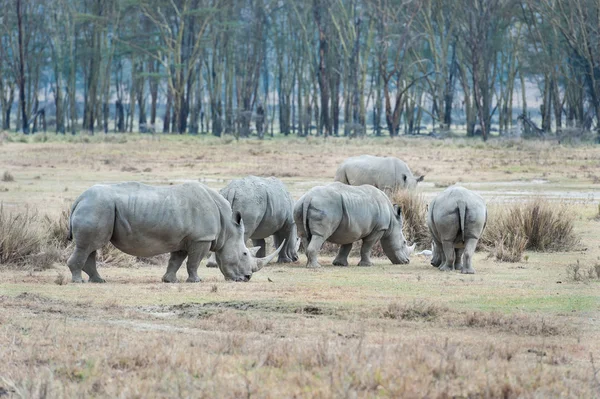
(388, 174)
(456, 219)
(266, 208)
(343, 214)
(186, 220)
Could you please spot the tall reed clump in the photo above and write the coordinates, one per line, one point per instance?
(535, 225)
(20, 236)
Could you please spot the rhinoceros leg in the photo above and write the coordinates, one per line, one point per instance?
(367, 247)
(449, 255)
(470, 245)
(316, 242)
(76, 262)
(193, 261)
(175, 262)
(458, 258)
(90, 269)
(342, 257)
(260, 242)
(212, 260)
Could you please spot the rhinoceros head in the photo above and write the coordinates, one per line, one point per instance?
(236, 261)
(393, 241)
(410, 182)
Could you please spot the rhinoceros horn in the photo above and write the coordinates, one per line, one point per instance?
(254, 250)
(411, 249)
(261, 262)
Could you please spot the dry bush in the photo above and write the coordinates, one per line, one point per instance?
(509, 248)
(414, 215)
(545, 225)
(58, 229)
(7, 176)
(20, 236)
(578, 273)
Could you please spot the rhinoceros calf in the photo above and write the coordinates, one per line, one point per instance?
(267, 210)
(186, 220)
(456, 220)
(388, 174)
(343, 214)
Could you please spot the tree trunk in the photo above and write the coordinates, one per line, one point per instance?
(21, 80)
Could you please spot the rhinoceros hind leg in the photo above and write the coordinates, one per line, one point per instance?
(175, 262)
(193, 261)
(342, 257)
(316, 242)
(76, 262)
(90, 269)
(262, 252)
(458, 258)
(470, 246)
(448, 264)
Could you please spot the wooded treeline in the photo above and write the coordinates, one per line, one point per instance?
(324, 67)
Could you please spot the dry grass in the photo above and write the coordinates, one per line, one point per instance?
(536, 225)
(414, 214)
(384, 331)
(578, 273)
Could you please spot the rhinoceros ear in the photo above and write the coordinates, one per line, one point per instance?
(237, 218)
(397, 210)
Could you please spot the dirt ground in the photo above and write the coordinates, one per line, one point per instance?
(524, 329)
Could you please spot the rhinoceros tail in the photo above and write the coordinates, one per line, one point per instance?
(305, 206)
(340, 175)
(70, 233)
(462, 210)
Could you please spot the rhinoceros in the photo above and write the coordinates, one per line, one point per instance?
(343, 214)
(456, 219)
(186, 220)
(388, 174)
(266, 208)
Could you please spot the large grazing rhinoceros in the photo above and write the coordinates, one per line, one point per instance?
(456, 219)
(388, 174)
(266, 208)
(343, 214)
(186, 220)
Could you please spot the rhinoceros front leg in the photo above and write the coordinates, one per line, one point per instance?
(262, 252)
(212, 260)
(195, 256)
(342, 257)
(90, 269)
(316, 242)
(449, 255)
(175, 262)
(367, 247)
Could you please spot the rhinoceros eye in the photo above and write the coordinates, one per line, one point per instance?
(245, 253)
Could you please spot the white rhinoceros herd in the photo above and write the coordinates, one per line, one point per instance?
(190, 220)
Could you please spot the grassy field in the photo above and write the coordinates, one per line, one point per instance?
(526, 329)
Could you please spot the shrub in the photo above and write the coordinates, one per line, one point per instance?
(578, 273)
(545, 226)
(58, 229)
(414, 215)
(7, 176)
(20, 236)
(510, 247)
